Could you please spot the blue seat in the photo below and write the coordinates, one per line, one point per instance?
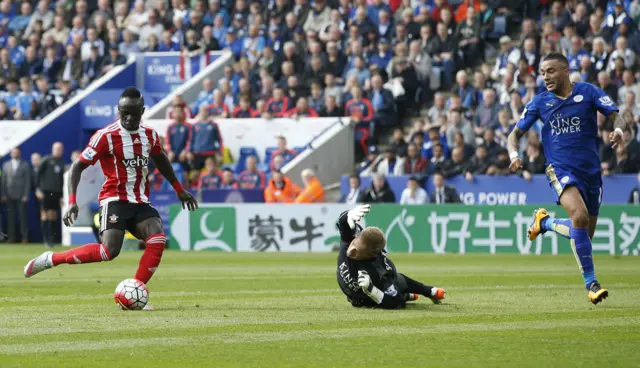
(499, 27)
(233, 167)
(300, 149)
(263, 167)
(244, 153)
(267, 154)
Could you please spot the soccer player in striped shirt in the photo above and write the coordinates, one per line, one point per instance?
(123, 149)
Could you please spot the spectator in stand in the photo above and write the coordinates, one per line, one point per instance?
(508, 55)
(624, 163)
(177, 138)
(383, 103)
(282, 151)
(302, 110)
(391, 165)
(251, 177)
(205, 96)
(413, 193)
(280, 189)
(434, 138)
(468, 36)
(487, 112)
(464, 89)
(397, 143)
(47, 101)
(313, 191)
(359, 109)
(467, 150)
(479, 164)
(354, 194)
(629, 85)
(533, 162)
(218, 109)
(152, 27)
(211, 178)
(456, 165)
(5, 113)
(622, 50)
(438, 108)
(32, 64)
(443, 193)
(331, 108)
(113, 59)
(66, 92)
(8, 70)
(456, 123)
(316, 99)
(442, 48)
(91, 67)
(244, 109)
(438, 158)
(178, 103)
(277, 162)
(228, 180)
(11, 95)
(631, 105)
(379, 191)
(19, 23)
(575, 53)
(415, 164)
(129, 45)
(278, 105)
(505, 127)
(205, 140)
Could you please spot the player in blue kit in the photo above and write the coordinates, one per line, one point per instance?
(570, 140)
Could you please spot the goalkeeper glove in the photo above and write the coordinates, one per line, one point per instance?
(364, 280)
(356, 214)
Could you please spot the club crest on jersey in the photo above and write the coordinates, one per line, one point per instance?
(138, 161)
(564, 125)
(113, 219)
(578, 98)
(88, 154)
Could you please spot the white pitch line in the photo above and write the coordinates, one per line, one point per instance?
(162, 294)
(266, 337)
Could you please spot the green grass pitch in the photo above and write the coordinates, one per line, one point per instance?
(285, 310)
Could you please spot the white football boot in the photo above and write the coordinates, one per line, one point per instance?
(38, 264)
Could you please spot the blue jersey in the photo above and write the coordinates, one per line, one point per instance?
(570, 128)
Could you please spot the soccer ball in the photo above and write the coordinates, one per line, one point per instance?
(131, 294)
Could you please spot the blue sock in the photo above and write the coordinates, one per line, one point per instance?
(560, 226)
(581, 244)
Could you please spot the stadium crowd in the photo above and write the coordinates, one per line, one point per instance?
(448, 78)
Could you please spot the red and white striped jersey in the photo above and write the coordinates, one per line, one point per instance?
(124, 157)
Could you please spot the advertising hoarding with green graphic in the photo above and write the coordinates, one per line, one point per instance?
(435, 229)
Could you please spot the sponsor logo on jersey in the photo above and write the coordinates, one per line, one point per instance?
(138, 161)
(605, 101)
(564, 125)
(89, 153)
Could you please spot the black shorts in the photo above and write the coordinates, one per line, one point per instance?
(124, 215)
(51, 201)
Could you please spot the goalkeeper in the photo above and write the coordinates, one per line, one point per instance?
(366, 276)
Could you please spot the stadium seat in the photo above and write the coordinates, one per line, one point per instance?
(267, 154)
(233, 167)
(300, 149)
(244, 153)
(263, 167)
(499, 27)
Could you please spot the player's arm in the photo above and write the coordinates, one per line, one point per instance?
(605, 105)
(527, 119)
(391, 299)
(619, 126)
(97, 146)
(163, 165)
(348, 220)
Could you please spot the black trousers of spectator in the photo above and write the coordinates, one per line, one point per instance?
(17, 212)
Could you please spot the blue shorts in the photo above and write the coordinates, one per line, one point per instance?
(590, 186)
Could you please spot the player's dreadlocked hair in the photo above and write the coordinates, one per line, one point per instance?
(557, 56)
(373, 238)
(131, 92)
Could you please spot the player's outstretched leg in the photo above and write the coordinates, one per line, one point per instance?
(573, 203)
(151, 230)
(151, 257)
(88, 253)
(543, 222)
(414, 287)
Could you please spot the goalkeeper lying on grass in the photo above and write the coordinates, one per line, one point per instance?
(366, 276)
